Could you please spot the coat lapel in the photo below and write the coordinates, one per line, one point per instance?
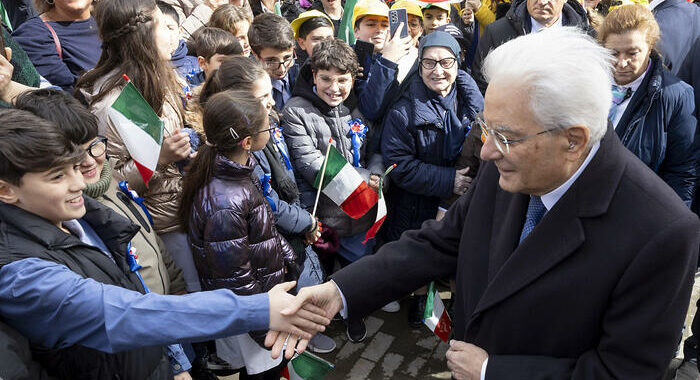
(559, 233)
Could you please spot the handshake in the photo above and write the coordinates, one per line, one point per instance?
(294, 320)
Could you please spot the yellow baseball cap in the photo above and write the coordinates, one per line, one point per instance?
(412, 8)
(369, 8)
(299, 21)
(442, 5)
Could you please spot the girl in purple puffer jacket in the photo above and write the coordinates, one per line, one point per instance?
(230, 223)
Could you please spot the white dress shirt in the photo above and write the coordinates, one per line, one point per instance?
(537, 27)
(634, 85)
(549, 200)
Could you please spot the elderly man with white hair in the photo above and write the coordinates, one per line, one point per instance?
(572, 259)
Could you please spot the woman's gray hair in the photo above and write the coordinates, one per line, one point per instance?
(566, 73)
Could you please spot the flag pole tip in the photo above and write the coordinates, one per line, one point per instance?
(330, 140)
(126, 77)
(393, 166)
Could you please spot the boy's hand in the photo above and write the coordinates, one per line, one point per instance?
(374, 182)
(314, 234)
(397, 47)
(175, 148)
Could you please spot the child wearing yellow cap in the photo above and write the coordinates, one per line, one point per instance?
(310, 28)
(370, 22)
(434, 15)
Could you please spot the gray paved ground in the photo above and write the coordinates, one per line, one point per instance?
(392, 350)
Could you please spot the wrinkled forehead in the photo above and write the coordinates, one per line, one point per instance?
(437, 53)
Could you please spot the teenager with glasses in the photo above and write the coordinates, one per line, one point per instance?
(423, 134)
(272, 40)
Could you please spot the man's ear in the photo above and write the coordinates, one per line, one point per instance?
(577, 138)
(8, 193)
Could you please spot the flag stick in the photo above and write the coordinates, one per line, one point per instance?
(323, 173)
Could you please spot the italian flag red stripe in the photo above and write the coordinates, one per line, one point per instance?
(435, 316)
(345, 187)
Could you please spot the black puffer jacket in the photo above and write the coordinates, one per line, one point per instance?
(517, 23)
(233, 236)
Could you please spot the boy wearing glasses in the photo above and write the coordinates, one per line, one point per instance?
(272, 42)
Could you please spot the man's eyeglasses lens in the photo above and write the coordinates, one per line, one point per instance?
(430, 64)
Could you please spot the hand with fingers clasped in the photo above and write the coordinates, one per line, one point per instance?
(296, 328)
(313, 306)
(465, 360)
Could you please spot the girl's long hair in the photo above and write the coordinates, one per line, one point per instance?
(127, 31)
(226, 115)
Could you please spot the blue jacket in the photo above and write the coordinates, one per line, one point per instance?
(679, 22)
(186, 65)
(659, 127)
(413, 138)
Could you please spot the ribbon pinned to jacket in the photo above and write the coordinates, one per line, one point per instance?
(124, 187)
(134, 266)
(278, 139)
(265, 183)
(357, 132)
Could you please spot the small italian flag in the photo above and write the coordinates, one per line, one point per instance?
(139, 127)
(306, 366)
(435, 316)
(381, 208)
(344, 185)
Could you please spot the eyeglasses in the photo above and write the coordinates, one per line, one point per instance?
(275, 65)
(502, 142)
(430, 64)
(270, 130)
(98, 147)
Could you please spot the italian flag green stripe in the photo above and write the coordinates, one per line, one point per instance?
(139, 127)
(345, 187)
(435, 315)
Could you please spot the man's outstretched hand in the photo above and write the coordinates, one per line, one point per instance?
(300, 325)
(315, 304)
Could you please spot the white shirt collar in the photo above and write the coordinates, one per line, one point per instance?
(537, 27)
(551, 198)
(654, 3)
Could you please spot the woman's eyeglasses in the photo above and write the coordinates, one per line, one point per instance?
(445, 63)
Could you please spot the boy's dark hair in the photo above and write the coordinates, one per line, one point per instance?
(271, 31)
(30, 144)
(210, 41)
(334, 53)
(312, 24)
(168, 10)
(227, 16)
(75, 121)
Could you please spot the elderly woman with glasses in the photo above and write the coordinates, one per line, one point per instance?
(652, 110)
(423, 135)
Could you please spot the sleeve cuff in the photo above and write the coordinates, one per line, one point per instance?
(483, 369)
(344, 310)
